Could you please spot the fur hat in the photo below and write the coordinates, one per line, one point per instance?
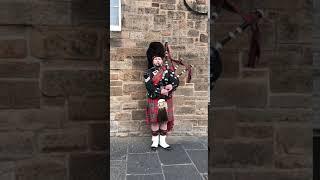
(155, 49)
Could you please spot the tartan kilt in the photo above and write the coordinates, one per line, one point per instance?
(152, 112)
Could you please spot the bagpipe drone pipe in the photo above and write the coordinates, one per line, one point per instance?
(250, 20)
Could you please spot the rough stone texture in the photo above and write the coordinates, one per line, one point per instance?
(97, 136)
(87, 108)
(45, 46)
(245, 155)
(224, 122)
(13, 98)
(187, 33)
(42, 167)
(63, 140)
(13, 48)
(72, 82)
(88, 166)
(294, 80)
(241, 93)
(260, 117)
(65, 43)
(19, 70)
(16, 145)
(31, 119)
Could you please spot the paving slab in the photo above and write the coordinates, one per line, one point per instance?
(139, 145)
(175, 156)
(147, 163)
(204, 176)
(118, 148)
(146, 177)
(118, 170)
(181, 172)
(200, 159)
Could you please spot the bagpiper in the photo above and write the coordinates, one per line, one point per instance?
(160, 83)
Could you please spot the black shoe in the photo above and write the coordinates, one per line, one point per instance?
(169, 148)
(153, 148)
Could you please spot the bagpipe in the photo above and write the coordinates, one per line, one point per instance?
(250, 20)
(173, 67)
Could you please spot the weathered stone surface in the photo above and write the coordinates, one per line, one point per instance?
(15, 12)
(201, 107)
(87, 108)
(274, 115)
(98, 133)
(12, 97)
(144, 23)
(295, 28)
(241, 154)
(291, 101)
(7, 169)
(42, 168)
(285, 5)
(116, 83)
(51, 13)
(293, 162)
(255, 74)
(223, 122)
(220, 175)
(72, 82)
(129, 88)
(123, 116)
(255, 175)
(255, 132)
(31, 119)
(93, 12)
(174, 15)
(52, 101)
(63, 140)
(292, 174)
(138, 114)
(54, 43)
(13, 48)
(128, 126)
(294, 80)
(19, 69)
(291, 56)
(116, 91)
(240, 93)
(185, 110)
(230, 69)
(294, 140)
(184, 91)
(88, 166)
(16, 145)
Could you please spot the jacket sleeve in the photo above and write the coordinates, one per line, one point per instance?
(153, 91)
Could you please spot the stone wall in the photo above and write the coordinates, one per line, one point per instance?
(145, 21)
(261, 117)
(52, 90)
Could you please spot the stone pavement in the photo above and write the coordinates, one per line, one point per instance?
(132, 159)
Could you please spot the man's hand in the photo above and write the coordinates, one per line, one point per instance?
(164, 92)
(169, 87)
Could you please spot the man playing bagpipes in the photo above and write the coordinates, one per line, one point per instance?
(160, 83)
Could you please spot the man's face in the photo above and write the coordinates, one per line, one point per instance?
(157, 61)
